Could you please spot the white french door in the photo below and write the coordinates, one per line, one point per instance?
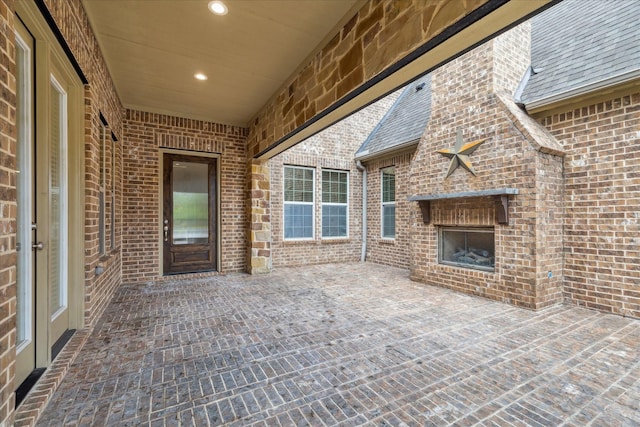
(49, 196)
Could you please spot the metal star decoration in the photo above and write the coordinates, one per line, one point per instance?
(459, 154)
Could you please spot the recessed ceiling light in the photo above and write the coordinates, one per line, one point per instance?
(200, 76)
(218, 8)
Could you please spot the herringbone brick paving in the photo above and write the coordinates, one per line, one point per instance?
(345, 344)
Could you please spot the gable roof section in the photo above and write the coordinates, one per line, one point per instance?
(582, 45)
(404, 123)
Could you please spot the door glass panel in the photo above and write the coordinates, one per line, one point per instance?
(190, 203)
(58, 199)
(24, 185)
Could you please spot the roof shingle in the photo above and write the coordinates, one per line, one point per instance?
(581, 42)
(404, 122)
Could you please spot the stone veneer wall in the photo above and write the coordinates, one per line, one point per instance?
(368, 43)
(394, 252)
(602, 201)
(334, 149)
(258, 211)
(145, 134)
(465, 96)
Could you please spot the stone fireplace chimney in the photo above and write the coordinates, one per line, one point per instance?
(487, 182)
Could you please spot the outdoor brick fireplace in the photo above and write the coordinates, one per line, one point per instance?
(486, 184)
(471, 246)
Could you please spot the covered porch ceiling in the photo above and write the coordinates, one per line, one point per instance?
(154, 48)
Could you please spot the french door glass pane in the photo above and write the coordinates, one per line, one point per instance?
(24, 185)
(190, 203)
(58, 198)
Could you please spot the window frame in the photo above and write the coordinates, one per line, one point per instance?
(384, 204)
(106, 190)
(102, 189)
(323, 204)
(312, 204)
(112, 233)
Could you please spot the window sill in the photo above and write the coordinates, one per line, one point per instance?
(106, 260)
(334, 240)
(387, 241)
(108, 255)
(299, 242)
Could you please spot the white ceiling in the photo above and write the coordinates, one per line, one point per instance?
(153, 48)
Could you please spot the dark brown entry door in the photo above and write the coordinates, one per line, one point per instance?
(189, 214)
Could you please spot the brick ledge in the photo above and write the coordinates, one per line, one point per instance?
(33, 405)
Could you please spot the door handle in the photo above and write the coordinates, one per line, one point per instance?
(39, 246)
(166, 230)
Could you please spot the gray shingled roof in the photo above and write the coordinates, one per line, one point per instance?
(405, 121)
(577, 43)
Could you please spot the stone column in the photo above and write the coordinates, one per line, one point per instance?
(259, 218)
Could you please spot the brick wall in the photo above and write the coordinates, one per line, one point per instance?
(7, 212)
(602, 201)
(144, 135)
(100, 287)
(466, 95)
(550, 240)
(334, 149)
(317, 250)
(393, 252)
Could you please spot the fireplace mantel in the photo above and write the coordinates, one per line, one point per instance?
(501, 195)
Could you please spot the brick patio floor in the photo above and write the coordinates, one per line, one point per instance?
(346, 345)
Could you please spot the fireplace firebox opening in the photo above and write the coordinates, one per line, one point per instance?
(467, 247)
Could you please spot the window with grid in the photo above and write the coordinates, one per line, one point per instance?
(298, 202)
(389, 203)
(335, 205)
